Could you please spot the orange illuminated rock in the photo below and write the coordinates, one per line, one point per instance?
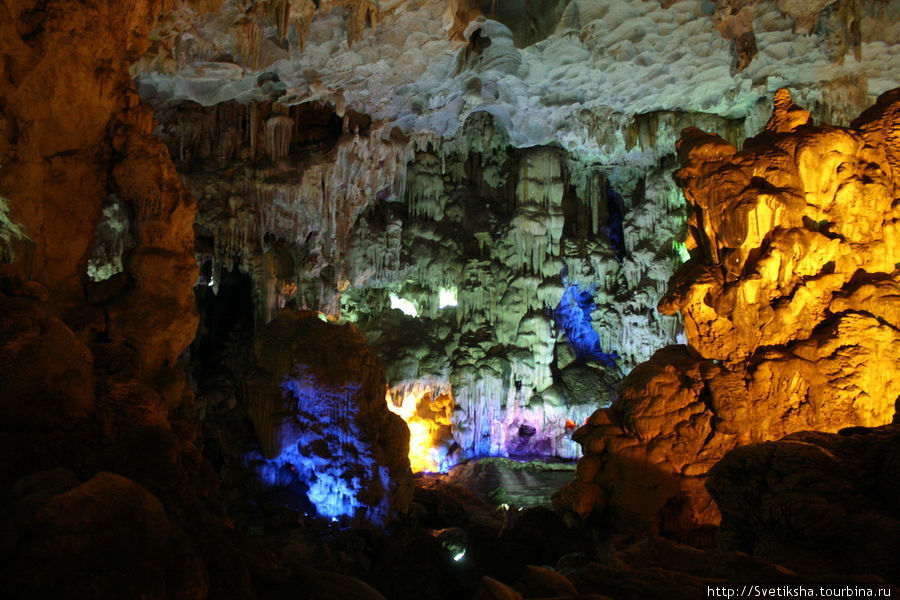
(790, 310)
(89, 368)
(426, 407)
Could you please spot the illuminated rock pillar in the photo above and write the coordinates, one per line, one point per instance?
(789, 305)
(317, 403)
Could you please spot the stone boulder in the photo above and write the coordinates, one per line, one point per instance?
(317, 402)
(46, 380)
(106, 538)
(815, 502)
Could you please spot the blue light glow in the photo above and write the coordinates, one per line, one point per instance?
(327, 453)
(573, 315)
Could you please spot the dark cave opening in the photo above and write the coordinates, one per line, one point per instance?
(226, 309)
(615, 221)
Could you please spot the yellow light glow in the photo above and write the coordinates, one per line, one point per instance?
(426, 408)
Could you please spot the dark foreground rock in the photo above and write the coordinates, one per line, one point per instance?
(815, 502)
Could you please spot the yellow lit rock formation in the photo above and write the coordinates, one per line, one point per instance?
(790, 311)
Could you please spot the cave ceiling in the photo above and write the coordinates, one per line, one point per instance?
(572, 73)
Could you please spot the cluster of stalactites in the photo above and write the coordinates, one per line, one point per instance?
(426, 188)
(536, 228)
(498, 415)
(508, 279)
(179, 35)
(374, 254)
(314, 213)
(628, 275)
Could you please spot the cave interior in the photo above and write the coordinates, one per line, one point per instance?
(439, 300)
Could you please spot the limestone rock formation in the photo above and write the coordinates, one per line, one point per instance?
(815, 502)
(788, 312)
(47, 379)
(90, 365)
(417, 168)
(317, 404)
(105, 538)
(629, 569)
(517, 263)
(577, 72)
(351, 155)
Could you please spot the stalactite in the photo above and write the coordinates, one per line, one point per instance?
(301, 14)
(315, 212)
(362, 14)
(253, 129)
(247, 40)
(279, 129)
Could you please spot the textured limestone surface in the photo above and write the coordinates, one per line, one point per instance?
(353, 156)
(317, 404)
(788, 304)
(105, 538)
(342, 152)
(576, 73)
(533, 276)
(815, 502)
(90, 374)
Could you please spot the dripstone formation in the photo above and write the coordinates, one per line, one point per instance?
(237, 236)
(789, 309)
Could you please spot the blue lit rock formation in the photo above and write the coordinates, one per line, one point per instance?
(573, 315)
(317, 404)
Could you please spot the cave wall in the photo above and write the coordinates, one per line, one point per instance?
(343, 221)
(99, 435)
(299, 167)
(519, 237)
